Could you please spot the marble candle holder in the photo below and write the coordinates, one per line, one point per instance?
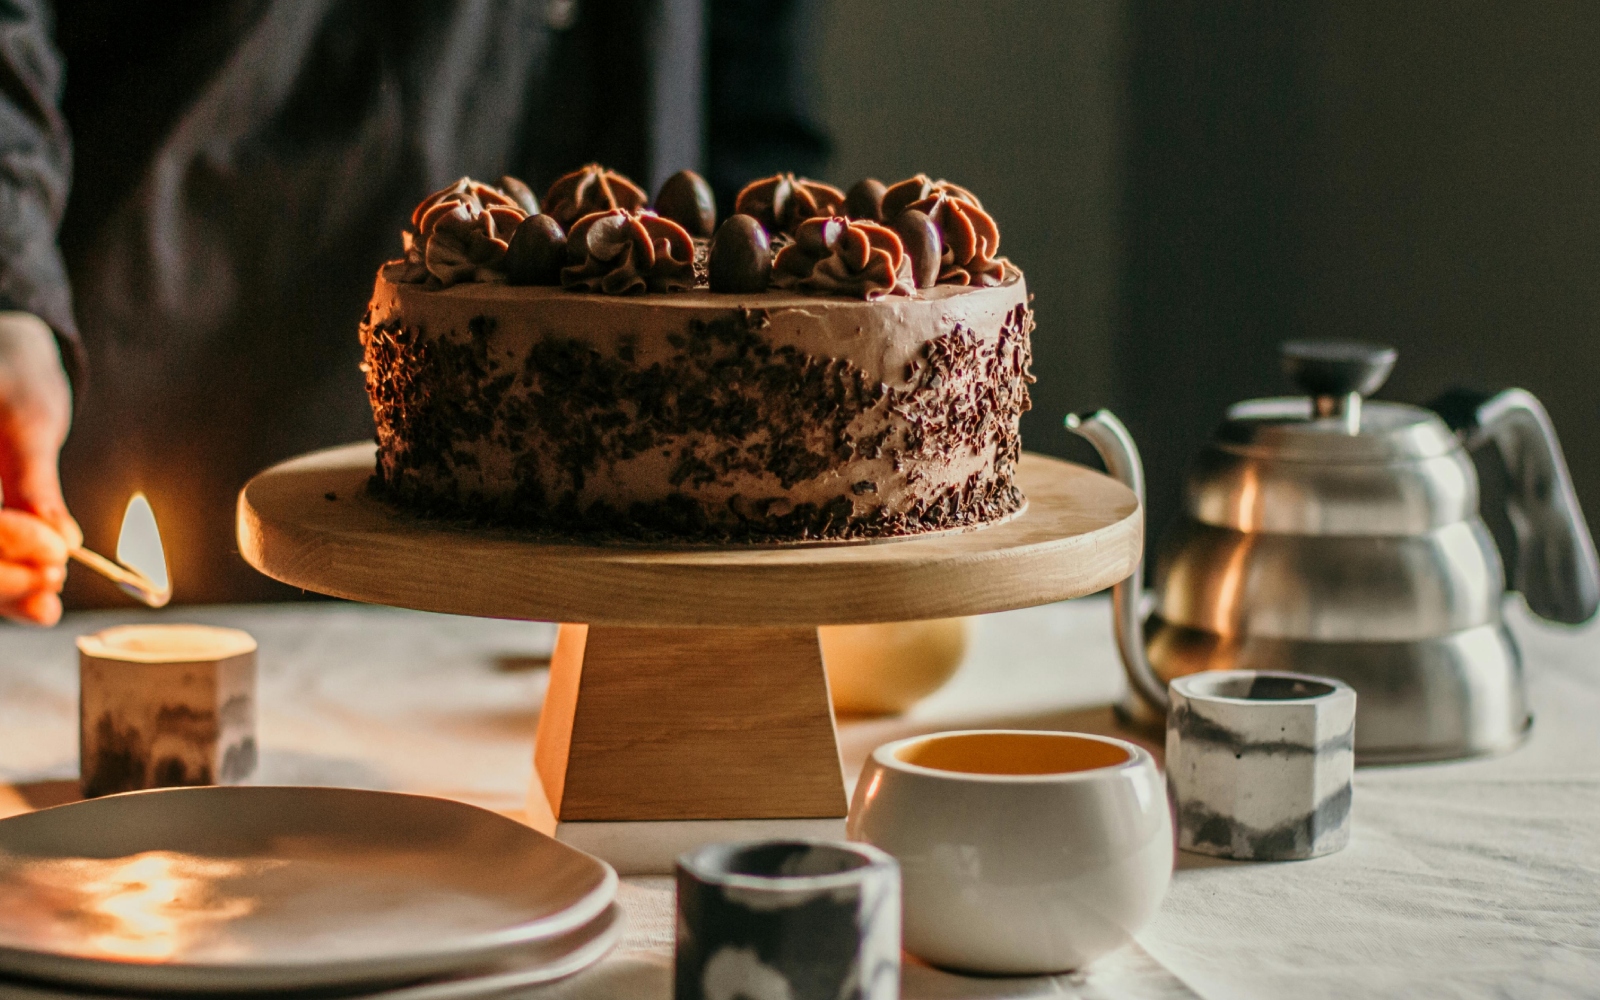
(164, 705)
(1259, 764)
(792, 919)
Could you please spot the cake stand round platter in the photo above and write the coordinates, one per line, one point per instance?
(687, 700)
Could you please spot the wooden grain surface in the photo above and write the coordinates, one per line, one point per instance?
(688, 724)
(1082, 532)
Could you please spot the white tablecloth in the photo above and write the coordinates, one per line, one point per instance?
(1479, 878)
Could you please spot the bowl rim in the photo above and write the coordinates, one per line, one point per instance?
(886, 756)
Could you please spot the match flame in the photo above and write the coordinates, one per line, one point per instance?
(139, 543)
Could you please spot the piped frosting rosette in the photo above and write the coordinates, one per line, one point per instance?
(783, 202)
(899, 197)
(971, 238)
(588, 190)
(621, 252)
(596, 221)
(839, 256)
(460, 234)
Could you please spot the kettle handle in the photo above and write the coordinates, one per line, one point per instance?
(1115, 445)
(1557, 570)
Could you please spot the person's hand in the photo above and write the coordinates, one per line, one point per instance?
(36, 532)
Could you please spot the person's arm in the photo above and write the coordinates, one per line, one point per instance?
(35, 529)
(38, 338)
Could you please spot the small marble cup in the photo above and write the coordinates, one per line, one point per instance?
(788, 918)
(1259, 764)
(164, 705)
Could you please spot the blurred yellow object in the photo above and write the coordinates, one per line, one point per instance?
(884, 669)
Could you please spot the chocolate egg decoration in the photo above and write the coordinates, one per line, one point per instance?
(741, 256)
(923, 245)
(520, 193)
(537, 252)
(865, 200)
(686, 199)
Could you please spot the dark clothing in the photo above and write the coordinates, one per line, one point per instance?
(242, 168)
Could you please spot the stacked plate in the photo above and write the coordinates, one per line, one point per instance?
(250, 890)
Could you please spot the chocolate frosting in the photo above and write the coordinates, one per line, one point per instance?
(838, 256)
(783, 201)
(465, 191)
(409, 269)
(461, 234)
(698, 417)
(621, 252)
(970, 241)
(465, 246)
(591, 189)
(908, 192)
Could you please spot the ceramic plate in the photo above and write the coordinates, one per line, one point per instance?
(528, 965)
(243, 888)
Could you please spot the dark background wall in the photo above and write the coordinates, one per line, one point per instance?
(1020, 101)
(1187, 183)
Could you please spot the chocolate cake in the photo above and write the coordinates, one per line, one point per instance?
(823, 365)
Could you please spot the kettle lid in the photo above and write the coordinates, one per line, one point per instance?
(1334, 422)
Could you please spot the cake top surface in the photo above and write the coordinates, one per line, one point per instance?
(598, 232)
(695, 299)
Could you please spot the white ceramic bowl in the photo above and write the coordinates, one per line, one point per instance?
(1020, 852)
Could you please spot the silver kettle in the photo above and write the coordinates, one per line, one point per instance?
(1335, 535)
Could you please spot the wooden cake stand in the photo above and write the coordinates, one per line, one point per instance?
(690, 704)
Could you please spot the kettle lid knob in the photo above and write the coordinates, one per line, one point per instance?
(1337, 368)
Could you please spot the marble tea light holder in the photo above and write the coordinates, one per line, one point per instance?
(165, 705)
(1259, 764)
(789, 919)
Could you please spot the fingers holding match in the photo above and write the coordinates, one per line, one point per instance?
(26, 540)
(40, 607)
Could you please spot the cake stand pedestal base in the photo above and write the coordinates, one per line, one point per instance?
(655, 739)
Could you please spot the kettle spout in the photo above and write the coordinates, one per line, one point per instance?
(1115, 445)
